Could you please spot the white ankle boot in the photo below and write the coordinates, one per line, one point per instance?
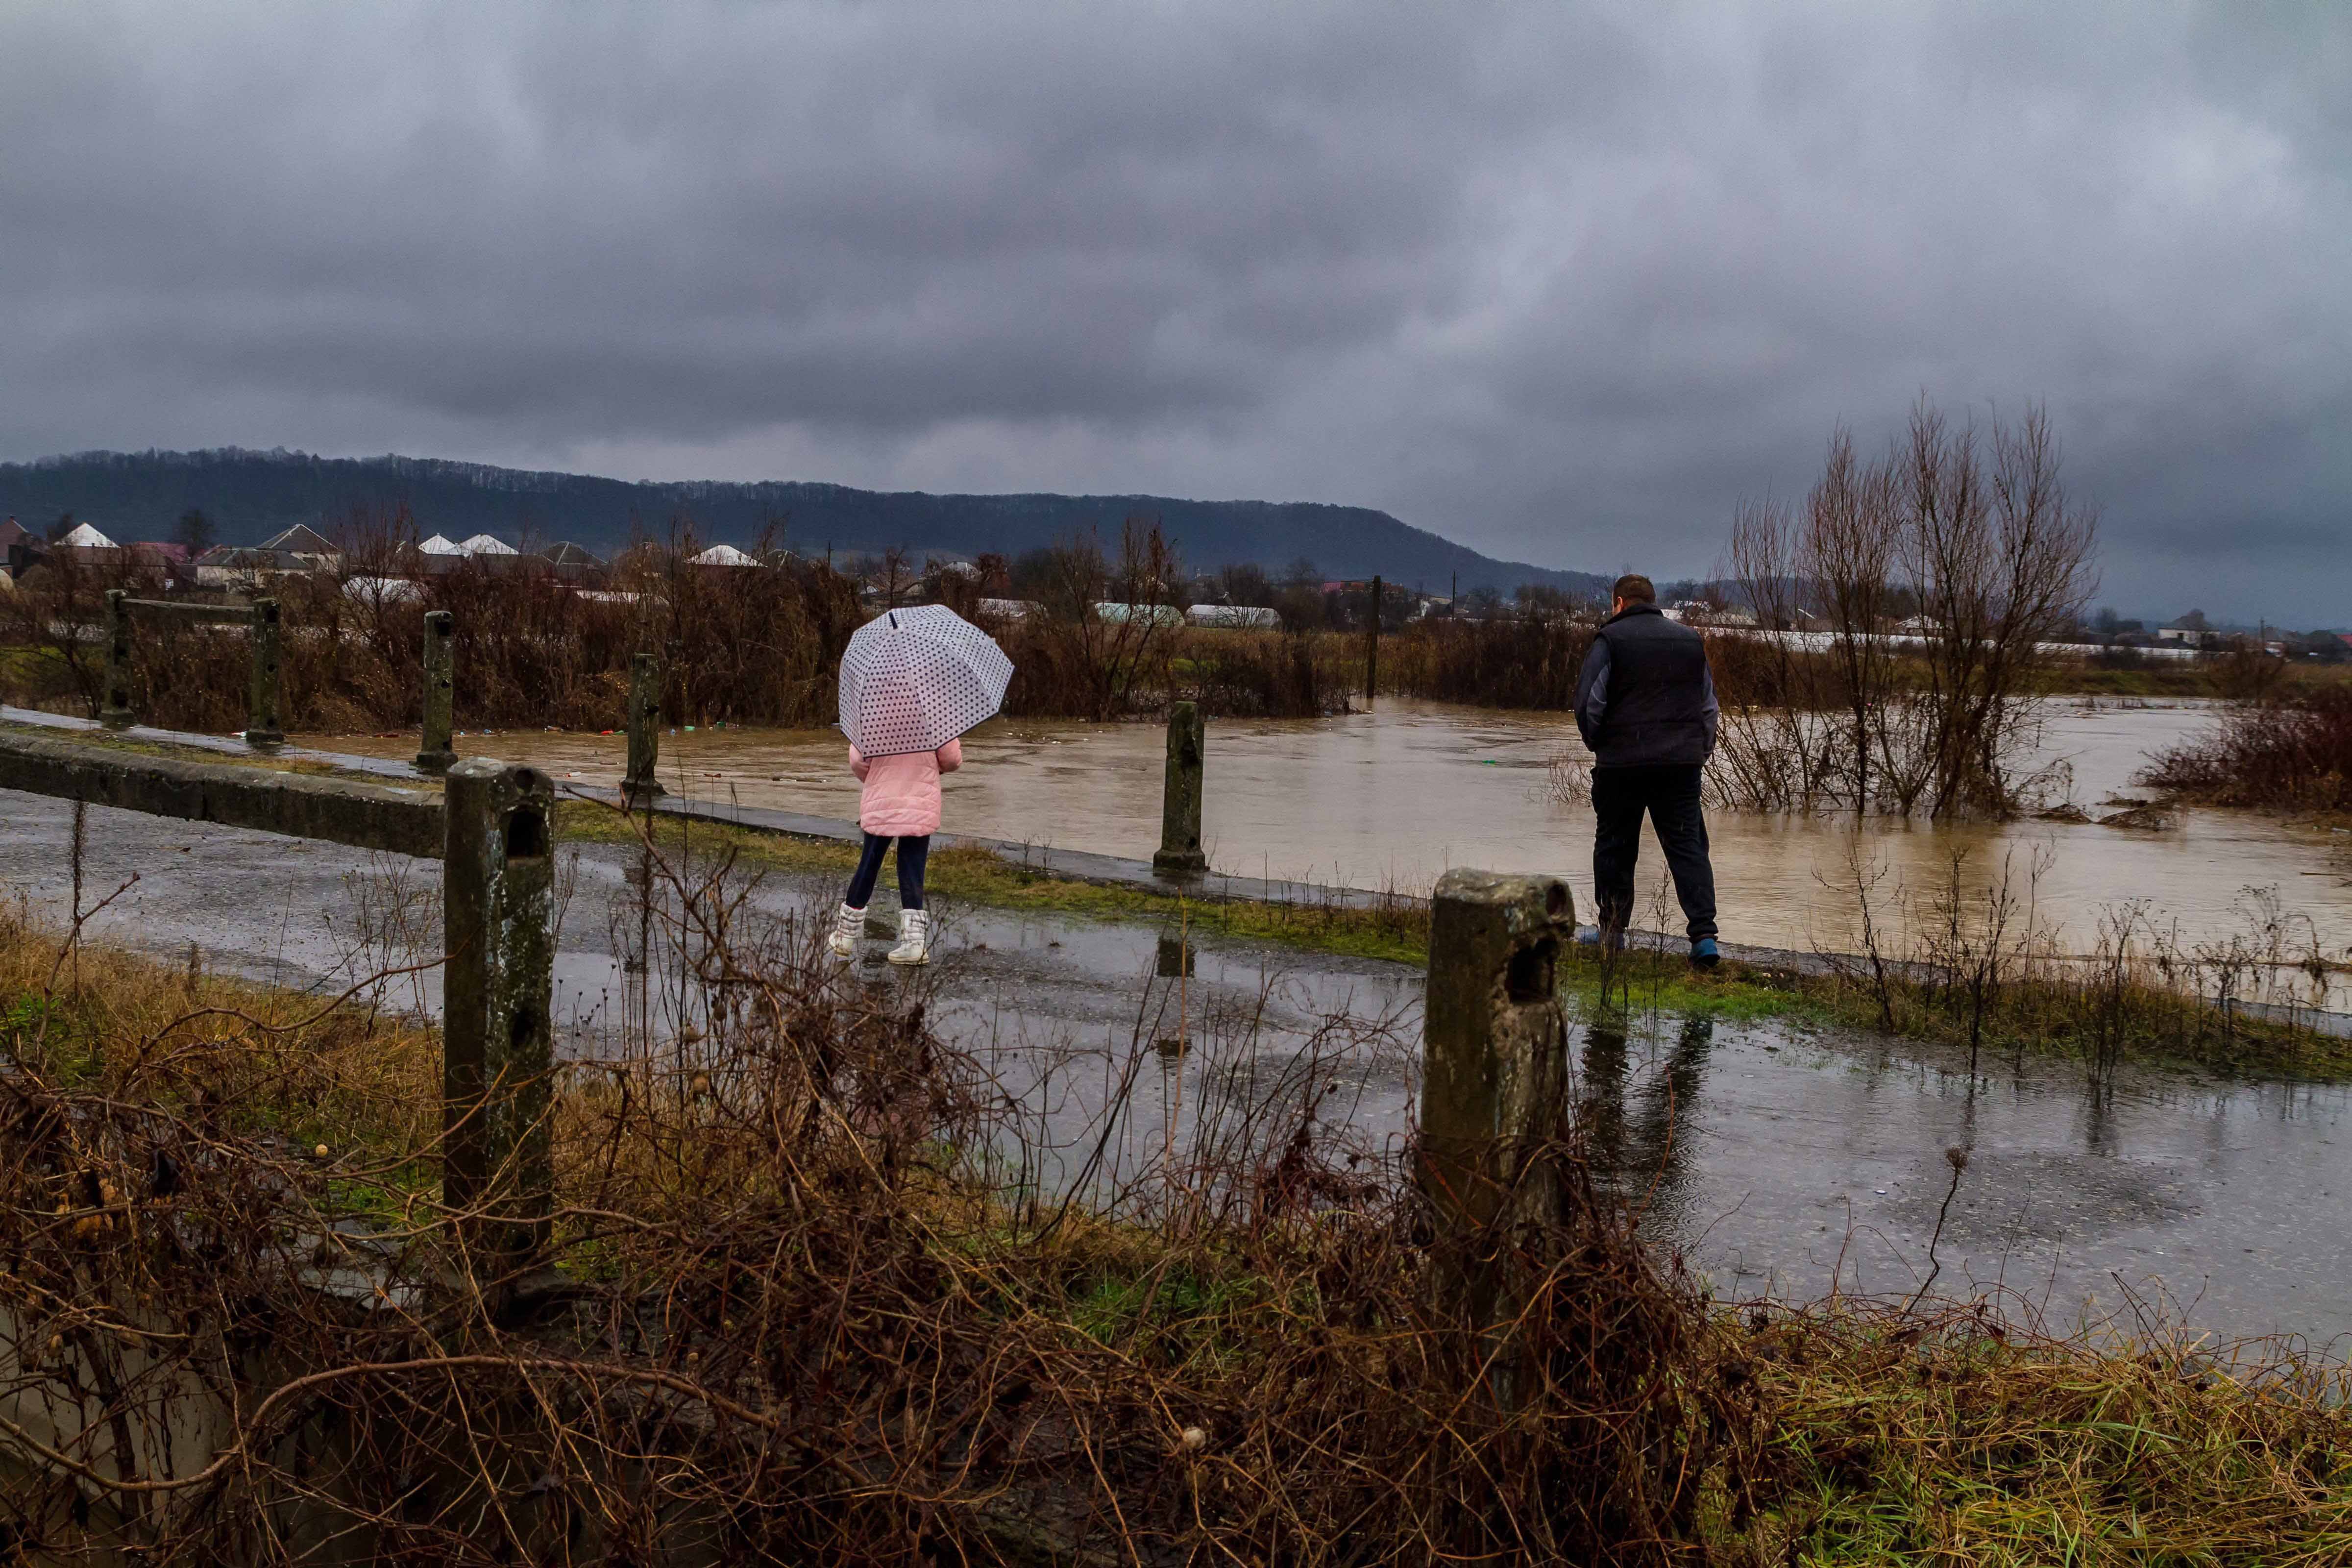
(914, 938)
(847, 927)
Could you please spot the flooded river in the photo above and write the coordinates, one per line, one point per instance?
(1392, 798)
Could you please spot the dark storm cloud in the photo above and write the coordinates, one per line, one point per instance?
(1561, 282)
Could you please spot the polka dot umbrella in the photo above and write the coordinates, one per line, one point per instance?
(914, 679)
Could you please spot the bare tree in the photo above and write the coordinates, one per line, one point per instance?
(2000, 560)
(1923, 587)
(195, 533)
(1850, 548)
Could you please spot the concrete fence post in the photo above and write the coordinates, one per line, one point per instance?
(265, 722)
(498, 992)
(1494, 1073)
(1180, 802)
(114, 711)
(436, 753)
(645, 728)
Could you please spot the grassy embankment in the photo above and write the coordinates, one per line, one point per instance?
(1856, 1434)
(2142, 1015)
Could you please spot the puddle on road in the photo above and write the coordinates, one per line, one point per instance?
(1784, 1163)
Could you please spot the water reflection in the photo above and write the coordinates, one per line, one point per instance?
(1635, 1147)
(1788, 1163)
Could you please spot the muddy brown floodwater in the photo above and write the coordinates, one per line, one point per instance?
(1392, 798)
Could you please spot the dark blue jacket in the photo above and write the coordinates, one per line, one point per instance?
(1645, 697)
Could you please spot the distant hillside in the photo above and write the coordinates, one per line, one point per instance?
(252, 495)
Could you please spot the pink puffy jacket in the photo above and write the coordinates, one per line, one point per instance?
(901, 799)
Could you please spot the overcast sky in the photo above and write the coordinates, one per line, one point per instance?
(1559, 282)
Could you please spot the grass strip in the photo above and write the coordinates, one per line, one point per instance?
(1394, 929)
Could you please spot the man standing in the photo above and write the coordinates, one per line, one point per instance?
(1646, 705)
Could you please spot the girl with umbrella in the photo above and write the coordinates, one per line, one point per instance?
(912, 680)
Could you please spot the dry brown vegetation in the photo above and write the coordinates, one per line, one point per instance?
(819, 1296)
(1532, 660)
(747, 644)
(2290, 749)
(813, 1300)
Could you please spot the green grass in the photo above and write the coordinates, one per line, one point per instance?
(1396, 930)
(30, 672)
(2160, 1027)
(1646, 981)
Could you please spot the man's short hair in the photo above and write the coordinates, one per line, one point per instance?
(1634, 589)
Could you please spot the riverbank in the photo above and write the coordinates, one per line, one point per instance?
(1994, 992)
(1245, 1367)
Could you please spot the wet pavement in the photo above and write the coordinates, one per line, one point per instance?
(1783, 1161)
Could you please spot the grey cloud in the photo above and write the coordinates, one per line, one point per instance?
(1562, 282)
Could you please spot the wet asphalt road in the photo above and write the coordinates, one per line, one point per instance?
(1780, 1160)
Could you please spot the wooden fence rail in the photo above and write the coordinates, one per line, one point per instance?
(495, 837)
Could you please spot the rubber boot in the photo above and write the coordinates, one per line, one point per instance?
(914, 938)
(847, 927)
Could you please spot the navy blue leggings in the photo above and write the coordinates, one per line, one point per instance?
(912, 852)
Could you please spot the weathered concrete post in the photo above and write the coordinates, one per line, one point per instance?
(440, 704)
(1495, 1076)
(264, 723)
(645, 728)
(1180, 800)
(498, 989)
(1372, 650)
(114, 712)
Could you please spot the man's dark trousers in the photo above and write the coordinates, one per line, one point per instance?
(1669, 792)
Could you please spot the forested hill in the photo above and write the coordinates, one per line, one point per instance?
(252, 495)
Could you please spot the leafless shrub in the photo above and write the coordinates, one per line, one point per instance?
(2291, 754)
(740, 644)
(817, 1294)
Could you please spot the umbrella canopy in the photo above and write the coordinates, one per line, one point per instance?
(914, 679)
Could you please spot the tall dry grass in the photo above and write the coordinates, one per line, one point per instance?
(816, 1299)
(1532, 660)
(822, 1295)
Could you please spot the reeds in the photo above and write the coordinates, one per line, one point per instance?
(1520, 662)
